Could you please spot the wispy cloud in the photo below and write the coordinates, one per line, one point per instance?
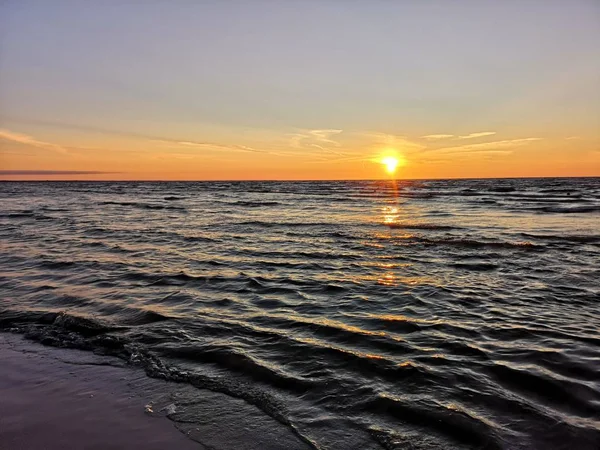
(437, 137)
(51, 172)
(394, 142)
(481, 152)
(321, 139)
(476, 135)
(214, 146)
(487, 147)
(340, 159)
(127, 134)
(28, 140)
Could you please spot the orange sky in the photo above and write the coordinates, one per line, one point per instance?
(306, 154)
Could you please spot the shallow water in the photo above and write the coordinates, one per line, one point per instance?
(364, 315)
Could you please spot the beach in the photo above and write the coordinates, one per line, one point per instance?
(63, 399)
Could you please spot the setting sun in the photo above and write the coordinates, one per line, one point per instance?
(391, 164)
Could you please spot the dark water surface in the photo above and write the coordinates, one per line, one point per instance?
(364, 315)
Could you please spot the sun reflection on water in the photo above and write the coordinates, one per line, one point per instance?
(387, 279)
(397, 217)
(390, 214)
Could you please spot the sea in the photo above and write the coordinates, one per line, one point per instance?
(429, 314)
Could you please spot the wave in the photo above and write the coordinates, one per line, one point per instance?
(144, 205)
(460, 426)
(240, 283)
(578, 239)
(421, 226)
(479, 266)
(573, 397)
(570, 209)
(259, 371)
(264, 224)
(502, 189)
(35, 215)
(136, 316)
(20, 214)
(475, 244)
(58, 321)
(255, 204)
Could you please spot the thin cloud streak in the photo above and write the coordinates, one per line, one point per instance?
(214, 146)
(28, 140)
(320, 139)
(486, 146)
(52, 172)
(394, 142)
(477, 135)
(437, 137)
(89, 129)
(342, 159)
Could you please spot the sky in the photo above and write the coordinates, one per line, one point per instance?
(314, 89)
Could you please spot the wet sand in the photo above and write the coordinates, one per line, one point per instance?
(66, 399)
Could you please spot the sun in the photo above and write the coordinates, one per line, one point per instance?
(391, 164)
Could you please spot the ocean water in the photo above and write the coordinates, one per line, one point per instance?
(460, 314)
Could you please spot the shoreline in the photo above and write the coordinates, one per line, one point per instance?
(55, 398)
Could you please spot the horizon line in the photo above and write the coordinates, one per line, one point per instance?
(283, 180)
